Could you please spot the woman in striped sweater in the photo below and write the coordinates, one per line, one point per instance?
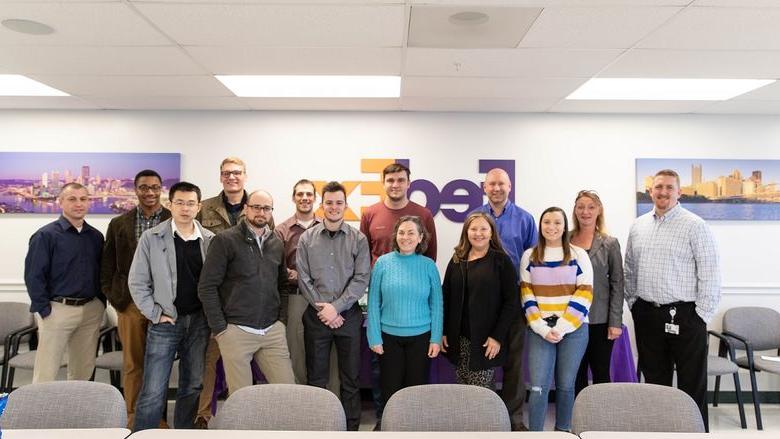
(556, 291)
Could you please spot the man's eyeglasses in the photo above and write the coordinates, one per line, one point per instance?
(259, 207)
(227, 174)
(180, 203)
(146, 188)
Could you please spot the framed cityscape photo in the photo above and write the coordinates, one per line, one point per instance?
(30, 182)
(717, 189)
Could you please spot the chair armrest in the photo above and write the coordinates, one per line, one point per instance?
(746, 343)
(724, 343)
(107, 338)
(15, 338)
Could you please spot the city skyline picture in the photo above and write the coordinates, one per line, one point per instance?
(717, 189)
(30, 182)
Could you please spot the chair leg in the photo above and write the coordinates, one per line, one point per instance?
(756, 403)
(2, 377)
(9, 384)
(740, 403)
(114, 378)
(717, 391)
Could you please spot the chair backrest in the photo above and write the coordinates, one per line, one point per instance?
(13, 316)
(635, 407)
(759, 325)
(285, 407)
(445, 407)
(65, 404)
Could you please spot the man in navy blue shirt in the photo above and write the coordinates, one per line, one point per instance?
(62, 274)
(517, 230)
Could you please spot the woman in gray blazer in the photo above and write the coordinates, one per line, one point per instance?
(606, 313)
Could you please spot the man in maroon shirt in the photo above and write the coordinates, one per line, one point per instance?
(377, 222)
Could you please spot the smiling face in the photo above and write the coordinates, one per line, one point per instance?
(587, 212)
(665, 193)
(233, 177)
(552, 226)
(334, 204)
(396, 185)
(303, 197)
(479, 234)
(497, 187)
(408, 237)
(148, 190)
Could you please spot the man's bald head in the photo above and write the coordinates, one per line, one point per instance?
(497, 187)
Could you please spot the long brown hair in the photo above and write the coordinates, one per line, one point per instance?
(464, 246)
(537, 255)
(601, 228)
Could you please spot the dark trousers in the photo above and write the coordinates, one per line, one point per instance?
(318, 339)
(598, 357)
(661, 353)
(404, 363)
(513, 388)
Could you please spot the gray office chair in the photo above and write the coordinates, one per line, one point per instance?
(286, 407)
(65, 404)
(15, 318)
(753, 329)
(111, 358)
(723, 364)
(635, 407)
(445, 407)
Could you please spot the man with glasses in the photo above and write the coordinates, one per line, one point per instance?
(163, 282)
(334, 266)
(239, 289)
(219, 214)
(122, 238)
(517, 230)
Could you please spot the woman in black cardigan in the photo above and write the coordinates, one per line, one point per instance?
(481, 300)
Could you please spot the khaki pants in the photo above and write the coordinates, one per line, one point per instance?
(75, 328)
(270, 351)
(209, 379)
(131, 327)
(296, 305)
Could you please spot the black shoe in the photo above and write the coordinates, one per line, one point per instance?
(378, 426)
(201, 424)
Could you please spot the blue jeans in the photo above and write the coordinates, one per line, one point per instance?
(189, 337)
(564, 358)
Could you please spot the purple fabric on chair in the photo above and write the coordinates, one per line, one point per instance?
(220, 385)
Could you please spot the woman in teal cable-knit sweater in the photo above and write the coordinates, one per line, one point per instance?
(405, 312)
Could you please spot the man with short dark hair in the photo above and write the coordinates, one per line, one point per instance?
(672, 286)
(163, 282)
(122, 237)
(240, 293)
(62, 275)
(334, 265)
(517, 231)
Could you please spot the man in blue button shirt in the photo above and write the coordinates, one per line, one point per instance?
(517, 231)
(62, 274)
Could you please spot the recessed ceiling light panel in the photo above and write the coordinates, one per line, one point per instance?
(312, 86)
(469, 18)
(665, 89)
(18, 85)
(28, 27)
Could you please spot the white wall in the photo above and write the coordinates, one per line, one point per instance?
(556, 155)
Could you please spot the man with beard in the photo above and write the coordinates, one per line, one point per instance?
(122, 238)
(293, 303)
(239, 288)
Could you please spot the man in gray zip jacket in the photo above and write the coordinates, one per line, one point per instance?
(239, 289)
(163, 281)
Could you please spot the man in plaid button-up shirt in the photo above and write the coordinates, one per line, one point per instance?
(672, 278)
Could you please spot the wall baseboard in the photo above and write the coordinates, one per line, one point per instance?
(730, 397)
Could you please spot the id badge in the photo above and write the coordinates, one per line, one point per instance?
(671, 328)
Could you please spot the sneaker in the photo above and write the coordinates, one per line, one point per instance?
(201, 424)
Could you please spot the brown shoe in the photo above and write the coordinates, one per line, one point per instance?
(201, 423)
(519, 427)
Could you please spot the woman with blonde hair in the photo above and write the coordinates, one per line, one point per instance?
(480, 302)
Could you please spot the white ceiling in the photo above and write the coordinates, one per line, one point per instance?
(162, 54)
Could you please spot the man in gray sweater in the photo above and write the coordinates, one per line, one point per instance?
(239, 288)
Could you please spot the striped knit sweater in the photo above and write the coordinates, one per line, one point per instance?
(549, 288)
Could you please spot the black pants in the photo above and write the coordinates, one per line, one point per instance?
(661, 353)
(404, 363)
(318, 339)
(598, 357)
(513, 387)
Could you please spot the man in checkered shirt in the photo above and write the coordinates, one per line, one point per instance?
(672, 279)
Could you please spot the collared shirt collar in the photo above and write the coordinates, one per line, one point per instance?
(507, 206)
(314, 222)
(65, 224)
(155, 214)
(344, 227)
(671, 213)
(227, 204)
(195, 235)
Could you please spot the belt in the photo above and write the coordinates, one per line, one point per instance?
(73, 301)
(666, 305)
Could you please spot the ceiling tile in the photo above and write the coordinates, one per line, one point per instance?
(297, 61)
(279, 24)
(769, 92)
(719, 29)
(566, 106)
(94, 24)
(476, 104)
(608, 27)
(743, 107)
(168, 103)
(90, 85)
(660, 63)
(91, 60)
(489, 87)
(739, 3)
(324, 104)
(48, 103)
(430, 26)
(536, 63)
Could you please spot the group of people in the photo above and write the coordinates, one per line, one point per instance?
(218, 278)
